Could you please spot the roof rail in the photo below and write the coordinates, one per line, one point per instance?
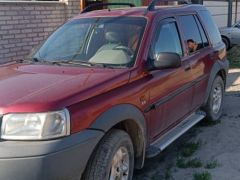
(92, 6)
(151, 6)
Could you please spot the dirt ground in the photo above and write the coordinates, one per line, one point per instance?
(207, 151)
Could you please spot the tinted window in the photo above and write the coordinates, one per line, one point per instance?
(203, 35)
(168, 40)
(211, 27)
(191, 33)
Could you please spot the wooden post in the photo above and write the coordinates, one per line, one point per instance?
(82, 4)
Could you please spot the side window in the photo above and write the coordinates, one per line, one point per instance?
(203, 35)
(191, 33)
(167, 40)
(211, 27)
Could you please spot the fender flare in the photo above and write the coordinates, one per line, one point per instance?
(217, 67)
(120, 113)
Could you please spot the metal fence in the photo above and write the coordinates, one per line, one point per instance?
(225, 12)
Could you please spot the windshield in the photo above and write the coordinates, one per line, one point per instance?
(113, 41)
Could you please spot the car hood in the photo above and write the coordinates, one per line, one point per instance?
(39, 88)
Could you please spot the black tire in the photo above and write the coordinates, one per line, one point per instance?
(99, 165)
(226, 42)
(209, 108)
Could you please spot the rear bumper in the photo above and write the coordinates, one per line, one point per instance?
(63, 159)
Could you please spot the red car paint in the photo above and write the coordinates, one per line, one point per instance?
(88, 92)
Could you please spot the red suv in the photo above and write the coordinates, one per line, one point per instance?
(108, 89)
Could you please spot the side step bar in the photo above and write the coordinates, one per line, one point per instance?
(159, 145)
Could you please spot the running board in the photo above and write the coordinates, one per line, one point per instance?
(159, 145)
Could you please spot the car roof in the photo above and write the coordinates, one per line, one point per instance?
(140, 11)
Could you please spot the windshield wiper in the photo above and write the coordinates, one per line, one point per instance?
(26, 60)
(72, 62)
(33, 60)
(90, 64)
(42, 61)
(82, 63)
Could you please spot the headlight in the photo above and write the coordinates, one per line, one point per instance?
(35, 126)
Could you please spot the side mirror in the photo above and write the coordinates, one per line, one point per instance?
(166, 60)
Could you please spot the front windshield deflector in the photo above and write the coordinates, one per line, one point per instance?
(110, 41)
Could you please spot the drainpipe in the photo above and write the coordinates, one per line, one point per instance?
(230, 10)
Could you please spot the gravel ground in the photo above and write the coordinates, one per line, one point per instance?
(207, 151)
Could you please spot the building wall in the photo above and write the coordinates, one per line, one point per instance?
(24, 25)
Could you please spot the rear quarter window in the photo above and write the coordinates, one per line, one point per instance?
(211, 27)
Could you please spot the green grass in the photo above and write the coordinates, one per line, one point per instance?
(234, 57)
(202, 176)
(211, 165)
(190, 148)
(192, 163)
(154, 178)
(168, 174)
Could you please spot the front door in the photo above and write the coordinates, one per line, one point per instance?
(170, 90)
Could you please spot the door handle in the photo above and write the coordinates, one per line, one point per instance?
(187, 68)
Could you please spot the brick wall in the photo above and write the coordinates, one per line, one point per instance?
(24, 25)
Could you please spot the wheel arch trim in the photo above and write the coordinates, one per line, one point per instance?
(220, 65)
(120, 113)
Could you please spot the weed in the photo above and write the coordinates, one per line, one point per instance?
(202, 176)
(234, 57)
(168, 173)
(156, 176)
(211, 165)
(190, 148)
(192, 163)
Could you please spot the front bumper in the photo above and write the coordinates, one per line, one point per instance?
(61, 159)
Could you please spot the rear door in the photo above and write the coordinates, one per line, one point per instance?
(198, 55)
(171, 90)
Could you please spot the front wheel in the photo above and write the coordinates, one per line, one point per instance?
(215, 100)
(113, 159)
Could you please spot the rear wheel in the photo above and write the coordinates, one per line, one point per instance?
(226, 42)
(215, 100)
(113, 159)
